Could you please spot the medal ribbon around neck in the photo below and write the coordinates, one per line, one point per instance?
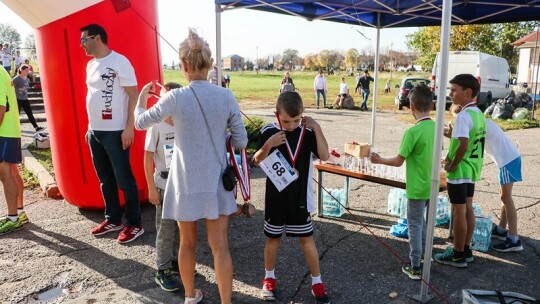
(423, 118)
(470, 104)
(243, 176)
(292, 156)
(159, 85)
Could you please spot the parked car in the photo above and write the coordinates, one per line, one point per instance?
(402, 96)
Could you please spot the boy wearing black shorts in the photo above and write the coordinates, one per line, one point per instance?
(463, 167)
(289, 211)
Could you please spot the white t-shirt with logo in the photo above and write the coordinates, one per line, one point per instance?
(160, 141)
(498, 145)
(106, 100)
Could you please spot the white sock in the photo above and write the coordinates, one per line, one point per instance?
(13, 218)
(269, 274)
(316, 280)
(513, 238)
(20, 210)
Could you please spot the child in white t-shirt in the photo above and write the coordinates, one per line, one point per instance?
(508, 159)
(159, 147)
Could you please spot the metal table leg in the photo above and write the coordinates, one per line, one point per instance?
(347, 186)
(319, 193)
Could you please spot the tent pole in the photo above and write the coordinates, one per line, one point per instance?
(537, 58)
(437, 147)
(376, 82)
(218, 43)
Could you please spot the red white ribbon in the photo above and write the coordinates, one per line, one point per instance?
(243, 175)
(161, 86)
(293, 157)
(423, 118)
(470, 104)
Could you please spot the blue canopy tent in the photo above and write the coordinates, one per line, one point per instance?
(380, 14)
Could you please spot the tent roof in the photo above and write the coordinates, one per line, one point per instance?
(396, 13)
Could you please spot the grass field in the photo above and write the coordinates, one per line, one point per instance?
(261, 90)
(264, 87)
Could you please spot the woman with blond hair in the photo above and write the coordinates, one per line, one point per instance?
(202, 113)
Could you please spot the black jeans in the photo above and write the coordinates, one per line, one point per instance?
(25, 104)
(114, 171)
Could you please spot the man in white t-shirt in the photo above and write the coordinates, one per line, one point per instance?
(110, 102)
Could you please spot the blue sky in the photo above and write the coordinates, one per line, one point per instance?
(249, 33)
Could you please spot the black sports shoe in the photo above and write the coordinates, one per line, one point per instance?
(508, 246)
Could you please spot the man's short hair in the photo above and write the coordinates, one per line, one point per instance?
(95, 29)
(366, 71)
(421, 97)
(291, 103)
(467, 81)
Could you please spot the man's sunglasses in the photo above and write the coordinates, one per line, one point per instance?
(84, 39)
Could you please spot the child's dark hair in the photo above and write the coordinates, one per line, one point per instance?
(421, 97)
(172, 85)
(291, 103)
(467, 81)
(95, 29)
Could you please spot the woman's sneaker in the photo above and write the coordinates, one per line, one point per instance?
(508, 246)
(269, 289)
(414, 273)
(7, 225)
(167, 280)
(106, 227)
(198, 298)
(319, 292)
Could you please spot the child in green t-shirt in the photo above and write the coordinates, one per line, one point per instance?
(417, 149)
(463, 167)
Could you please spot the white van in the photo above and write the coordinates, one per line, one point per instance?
(493, 73)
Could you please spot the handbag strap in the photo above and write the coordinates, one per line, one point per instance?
(207, 126)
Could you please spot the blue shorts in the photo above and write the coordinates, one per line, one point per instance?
(511, 172)
(10, 150)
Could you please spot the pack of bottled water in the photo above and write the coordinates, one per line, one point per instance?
(481, 239)
(330, 206)
(477, 210)
(442, 216)
(397, 203)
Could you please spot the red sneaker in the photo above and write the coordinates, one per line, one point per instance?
(129, 234)
(319, 292)
(106, 227)
(268, 289)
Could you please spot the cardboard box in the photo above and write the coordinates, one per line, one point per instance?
(358, 150)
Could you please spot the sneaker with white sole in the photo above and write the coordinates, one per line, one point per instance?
(129, 234)
(268, 289)
(495, 234)
(508, 246)
(198, 298)
(319, 292)
(23, 217)
(415, 273)
(106, 227)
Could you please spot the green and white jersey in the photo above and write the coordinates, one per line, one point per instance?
(471, 124)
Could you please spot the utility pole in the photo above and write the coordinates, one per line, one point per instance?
(391, 60)
(257, 60)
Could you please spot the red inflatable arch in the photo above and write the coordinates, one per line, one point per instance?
(131, 27)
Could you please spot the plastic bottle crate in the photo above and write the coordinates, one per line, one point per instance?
(481, 239)
(330, 206)
(397, 203)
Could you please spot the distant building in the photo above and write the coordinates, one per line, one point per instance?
(233, 63)
(527, 70)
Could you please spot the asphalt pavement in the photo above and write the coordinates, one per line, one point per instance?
(55, 259)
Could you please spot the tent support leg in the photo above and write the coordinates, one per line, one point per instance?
(422, 299)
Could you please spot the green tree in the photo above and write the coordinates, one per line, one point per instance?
(30, 47)
(10, 35)
(351, 58)
(290, 56)
(493, 39)
(323, 58)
